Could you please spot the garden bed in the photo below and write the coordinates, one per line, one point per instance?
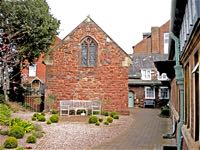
(72, 132)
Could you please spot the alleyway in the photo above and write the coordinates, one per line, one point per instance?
(144, 134)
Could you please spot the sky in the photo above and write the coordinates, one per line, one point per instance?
(123, 20)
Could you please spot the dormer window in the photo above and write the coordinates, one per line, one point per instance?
(146, 74)
(88, 52)
(162, 77)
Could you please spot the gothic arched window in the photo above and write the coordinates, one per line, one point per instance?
(88, 52)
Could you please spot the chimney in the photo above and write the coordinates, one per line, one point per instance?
(146, 35)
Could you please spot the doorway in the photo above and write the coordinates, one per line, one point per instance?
(130, 99)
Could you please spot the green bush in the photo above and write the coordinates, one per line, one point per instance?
(54, 111)
(110, 119)
(34, 118)
(2, 98)
(5, 114)
(105, 113)
(165, 111)
(20, 148)
(10, 142)
(48, 121)
(37, 134)
(54, 118)
(43, 114)
(37, 127)
(36, 114)
(106, 123)
(93, 119)
(116, 117)
(97, 123)
(112, 114)
(17, 132)
(31, 139)
(41, 118)
(26, 125)
(4, 132)
(100, 119)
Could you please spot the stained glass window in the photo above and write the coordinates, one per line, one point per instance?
(88, 52)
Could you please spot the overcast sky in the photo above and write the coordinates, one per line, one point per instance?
(123, 20)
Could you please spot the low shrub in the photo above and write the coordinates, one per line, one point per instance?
(48, 121)
(112, 114)
(116, 117)
(106, 123)
(41, 118)
(20, 148)
(2, 98)
(37, 127)
(38, 134)
(36, 114)
(54, 111)
(43, 114)
(105, 113)
(97, 123)
(17, 132)
(31, 139)
(93, 119)
(4, 132)
(5, 114)
(109, 119)
(100, 119)
(26, 125)
(54, 118)
(165, 111)
(10, 142)
(34, 118)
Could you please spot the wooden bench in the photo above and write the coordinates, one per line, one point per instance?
(75, 105)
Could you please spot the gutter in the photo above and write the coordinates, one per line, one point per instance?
(180, 82)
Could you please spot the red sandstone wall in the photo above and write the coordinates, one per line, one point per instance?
(108, 81)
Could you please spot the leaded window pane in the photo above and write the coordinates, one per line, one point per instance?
(92, 54)
(84, 54)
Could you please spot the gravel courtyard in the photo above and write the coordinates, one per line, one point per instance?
(73, 133)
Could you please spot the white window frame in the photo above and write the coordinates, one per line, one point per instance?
(32, 70)
(166, 42)
(160, 90)
(146, 92)
(162, 77)
(146, 74)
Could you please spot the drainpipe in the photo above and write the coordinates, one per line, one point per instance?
(180, 82)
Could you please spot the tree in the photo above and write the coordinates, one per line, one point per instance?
(27, 29)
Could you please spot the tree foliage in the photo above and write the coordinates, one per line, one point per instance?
(29, 24)
(27, 29)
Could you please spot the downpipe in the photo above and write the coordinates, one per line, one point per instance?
(180, 82)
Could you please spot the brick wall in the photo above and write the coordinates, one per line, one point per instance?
(154, 42)
(40, 66)
(108, 81)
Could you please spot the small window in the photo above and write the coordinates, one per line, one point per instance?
(88, 52)
(162, 77)
(146, 74)
(166, 42)
(164, 93)
(32, 70)
(149, 93)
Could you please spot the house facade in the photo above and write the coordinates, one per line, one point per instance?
(34, 80)
(184, 49)
(89, 65)
(146, 85)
